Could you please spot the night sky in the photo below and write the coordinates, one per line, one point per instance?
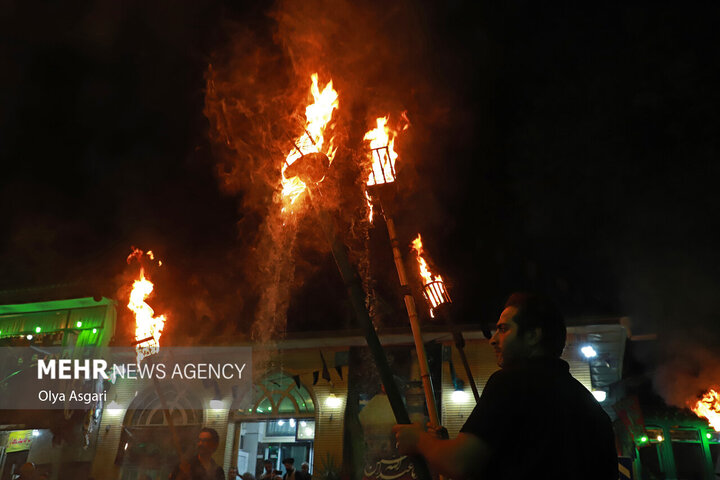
(567, 148)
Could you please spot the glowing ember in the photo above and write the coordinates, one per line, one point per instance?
(148, 327)
(433, 288)
(709, 407)
(317, 115)
(382, 153)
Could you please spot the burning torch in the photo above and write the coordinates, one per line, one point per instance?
(436, 295)
(148, 329)
(381, 187)
(304, 168)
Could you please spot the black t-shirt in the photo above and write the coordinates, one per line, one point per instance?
(198, 472)
(542, 423)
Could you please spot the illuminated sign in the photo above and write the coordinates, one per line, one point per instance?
(19, 440)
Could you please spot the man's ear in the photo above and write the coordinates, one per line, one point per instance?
(533, 336)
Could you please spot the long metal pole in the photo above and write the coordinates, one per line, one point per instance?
(357, 299)
(441, 312)
(460, 345)
(414, 323)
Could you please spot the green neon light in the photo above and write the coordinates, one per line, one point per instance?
(38, 329)
(78, 324)
(643, 439)
(708, 435)
(94, 330)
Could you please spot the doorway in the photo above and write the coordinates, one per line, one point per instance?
(275, 440)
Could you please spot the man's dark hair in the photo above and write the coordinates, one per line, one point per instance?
(213, 433)
(268, 461)
(535, 311)
(289, 460)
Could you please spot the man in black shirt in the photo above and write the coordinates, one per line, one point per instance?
(201, 466)
(533, 420)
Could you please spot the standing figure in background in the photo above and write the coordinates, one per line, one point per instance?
(290, 472)
(201, 466)
(305, 468)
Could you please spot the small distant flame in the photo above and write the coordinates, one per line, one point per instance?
(433, 288)
(317, 115)
(709, 407)
(148, 327)
(382, 153)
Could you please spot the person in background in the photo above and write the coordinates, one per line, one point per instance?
(305, 468)
(268, 472)
(201, 466)
(290, 472)
(26, 472)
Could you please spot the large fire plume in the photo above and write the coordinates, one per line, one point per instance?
(317, 116)
(148, 327)
(709, 407)
(433, 285)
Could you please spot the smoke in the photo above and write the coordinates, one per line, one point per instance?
(682, 379)
(257, 90)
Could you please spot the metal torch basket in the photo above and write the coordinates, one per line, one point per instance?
(436, 294)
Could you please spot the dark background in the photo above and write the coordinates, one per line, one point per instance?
(569, 148)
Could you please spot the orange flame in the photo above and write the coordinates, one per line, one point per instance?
(370, 207)
(317, 115)
(148, 327)
(709, 407)
(382, 153)
(434, 288)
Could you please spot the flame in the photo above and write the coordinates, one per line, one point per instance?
(434, 287)
(317, 115)
(709, 407)
(148, 327)
(424, 270)
(382, 153)
(370, 206)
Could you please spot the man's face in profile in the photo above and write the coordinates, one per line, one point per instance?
(508, 346)
(206, 444)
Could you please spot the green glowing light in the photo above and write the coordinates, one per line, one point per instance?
(78, 324)
(708, 435)
(94, 330)
(38, 329)
(643, 439)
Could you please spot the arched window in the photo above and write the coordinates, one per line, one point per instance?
(146, 409)
(278, 395)
(146, 444)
